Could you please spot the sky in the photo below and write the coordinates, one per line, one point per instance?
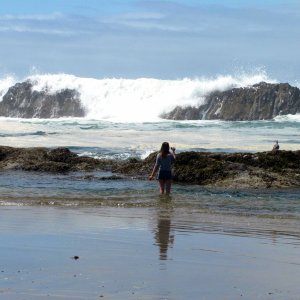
(150, 38)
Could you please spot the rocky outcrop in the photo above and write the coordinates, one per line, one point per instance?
(21, 101)
(57, 160)
(262, 101)
(278, 169)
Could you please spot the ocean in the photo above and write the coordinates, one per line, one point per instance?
(123, 122)
(124, 223)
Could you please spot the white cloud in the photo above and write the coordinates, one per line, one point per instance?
(49, 24)
(46, 17)
(142, 16)
(148, 25)
(27, 29)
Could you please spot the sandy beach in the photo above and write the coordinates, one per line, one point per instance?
(144, 253)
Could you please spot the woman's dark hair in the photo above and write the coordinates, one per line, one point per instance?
(165, 149)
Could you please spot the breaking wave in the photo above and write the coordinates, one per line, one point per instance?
(135, 100)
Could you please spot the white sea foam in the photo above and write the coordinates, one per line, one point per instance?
(10, 203)
(288, 118)
(136, 100)
(5, 84)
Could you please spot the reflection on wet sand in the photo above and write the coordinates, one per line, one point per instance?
(243, 257)
(164, 236)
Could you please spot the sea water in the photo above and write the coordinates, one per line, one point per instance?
(107, 139)
(123, 121)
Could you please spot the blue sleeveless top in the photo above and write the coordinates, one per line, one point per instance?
(164, 163)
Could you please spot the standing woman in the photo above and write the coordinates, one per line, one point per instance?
(164, 162)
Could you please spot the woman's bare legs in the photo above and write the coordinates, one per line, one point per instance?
(168, 186)
(165, 184)
(161, 186)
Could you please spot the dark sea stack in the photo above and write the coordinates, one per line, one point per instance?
(263, 101)
(21, 101)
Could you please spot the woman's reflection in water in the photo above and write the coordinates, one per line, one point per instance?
(163, 233)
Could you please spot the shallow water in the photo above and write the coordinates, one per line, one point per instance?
(87, 186)
(262, 208)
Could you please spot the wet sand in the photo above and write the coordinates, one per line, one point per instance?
(143, 253)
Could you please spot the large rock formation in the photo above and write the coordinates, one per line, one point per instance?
(262, 101)
(21, 101)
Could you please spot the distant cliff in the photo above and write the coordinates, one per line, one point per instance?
(262, 101)
(21, 101)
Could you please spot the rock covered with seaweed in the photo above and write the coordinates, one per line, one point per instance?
(277, 169)
(44, 160)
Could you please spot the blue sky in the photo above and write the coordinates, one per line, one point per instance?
(140, 38)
